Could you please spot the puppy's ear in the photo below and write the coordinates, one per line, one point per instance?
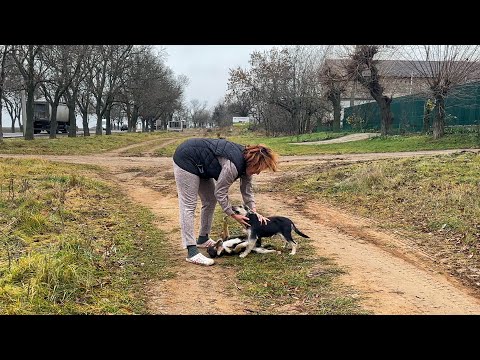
(246, 208)
(218, 243)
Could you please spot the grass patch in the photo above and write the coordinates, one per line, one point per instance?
(401, 143)
(141, 150)
(434, 199)
(375, 144)
(394, 143)
(98, 144)
(281, 283)
(168, 150)
(79, 145)
(72, 244)
(277, 143)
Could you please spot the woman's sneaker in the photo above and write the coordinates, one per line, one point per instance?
(200, 259)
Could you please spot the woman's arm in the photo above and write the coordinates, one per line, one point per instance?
(246, 189)
(227, 177)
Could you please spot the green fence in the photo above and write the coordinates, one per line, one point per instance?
(462, 107)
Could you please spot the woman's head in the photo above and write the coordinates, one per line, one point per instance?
(259, 158)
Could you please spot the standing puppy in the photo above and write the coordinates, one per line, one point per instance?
(233, 244)
(277, 225)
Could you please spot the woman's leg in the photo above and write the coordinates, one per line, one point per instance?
(187, 189)
(207, 196)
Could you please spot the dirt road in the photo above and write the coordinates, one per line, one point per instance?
(393, 275)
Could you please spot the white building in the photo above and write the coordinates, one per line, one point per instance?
(241, 119)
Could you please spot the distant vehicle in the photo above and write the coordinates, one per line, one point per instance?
(42, 115)
(124, 127)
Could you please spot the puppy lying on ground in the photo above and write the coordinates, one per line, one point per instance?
(277, 225)
(232, 245)
(235, 246)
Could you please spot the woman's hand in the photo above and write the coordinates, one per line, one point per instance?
(262, 219)
(241, 219)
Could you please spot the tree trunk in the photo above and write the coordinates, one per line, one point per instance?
(98, 128)
(337, 109)
(53, 121)
(386, 120)
(86, 130)
(98, 111)
(28, 123)
(426, 122)
(1, 123)
(12, 117)
(133, 125)
(439, 118)
(108, 128)
(72, 121)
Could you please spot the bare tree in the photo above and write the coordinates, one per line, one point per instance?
(146, 69)
(164, 99)
(84, 98)
(443, 67)
(13, 104)
(63, 63)
(151, 91)
(29, 66)
(362, 66)
(220, 115)
(111, 63)
(80, 58)
(197, 111)
(282, 88)
(4, 50)
(12, 91)
(223, 112)
(334, 80)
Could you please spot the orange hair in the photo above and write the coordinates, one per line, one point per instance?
(260, 157)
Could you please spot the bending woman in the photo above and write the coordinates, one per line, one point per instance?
(196, 163)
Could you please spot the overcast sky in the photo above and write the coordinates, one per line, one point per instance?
(206, 67)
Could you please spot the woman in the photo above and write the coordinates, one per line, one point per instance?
(196, 163)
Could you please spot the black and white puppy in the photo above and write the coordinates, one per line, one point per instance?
(234, 245)
(277, 225)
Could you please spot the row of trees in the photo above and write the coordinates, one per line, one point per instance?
(287, 90)
(105, 80)
(294, 88)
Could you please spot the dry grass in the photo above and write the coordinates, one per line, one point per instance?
(432, 200)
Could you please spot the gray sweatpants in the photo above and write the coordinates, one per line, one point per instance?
(188, 186)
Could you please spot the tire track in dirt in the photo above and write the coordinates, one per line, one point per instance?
(343, 139)
(393, 277)
(195, 289)
(121, 151)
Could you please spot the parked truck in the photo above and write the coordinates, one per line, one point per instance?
(42, 112)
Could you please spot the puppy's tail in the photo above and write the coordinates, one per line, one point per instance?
(299, 232)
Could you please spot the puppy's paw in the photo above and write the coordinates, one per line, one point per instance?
(242, 255)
